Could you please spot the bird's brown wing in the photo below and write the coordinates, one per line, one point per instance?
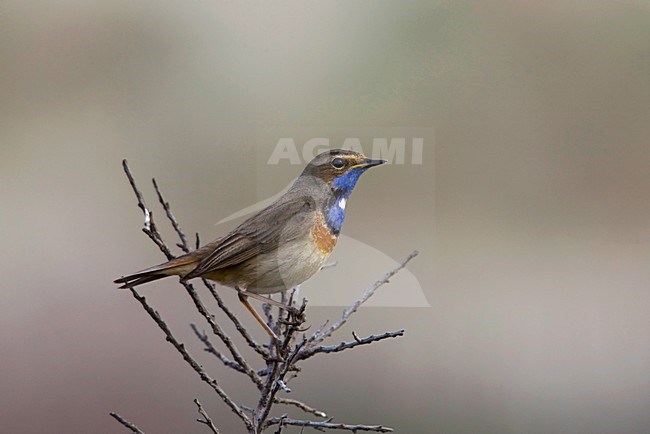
(282, 220)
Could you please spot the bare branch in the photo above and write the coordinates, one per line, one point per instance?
(308, 352)
(328, 425)
(264, 372)
(134, 429)
(181, 235)
(217, 330)
(280, 428)
(316, 333)
(193, 363)
(364, 297)
(206, 419)
(149, 224)
(280, 369)
(203, 337)
(247, 409)
(301, 405)
(270, 321)
(283, 386)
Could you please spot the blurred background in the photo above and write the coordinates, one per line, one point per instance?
(531, 207)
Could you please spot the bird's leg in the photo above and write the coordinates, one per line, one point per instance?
(272, 302)
(243, 297)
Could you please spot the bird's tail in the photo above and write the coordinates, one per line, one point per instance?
(176, 267)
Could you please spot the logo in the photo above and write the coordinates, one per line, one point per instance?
(395, 150)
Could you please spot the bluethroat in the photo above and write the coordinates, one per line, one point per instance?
(282, 245)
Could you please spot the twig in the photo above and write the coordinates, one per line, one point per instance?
(364, 297)
(270, 321)
(279, 370)
(134, 429)
(218, 330)
(280, 428)
(283, 386)
(264, 372)
(306, 353)
(316, 333)
(248, 409)
(183, 244)
(328, 425)
(149, 224)
(203, 337)
(193, 363)
(206, 419)
(301, 405)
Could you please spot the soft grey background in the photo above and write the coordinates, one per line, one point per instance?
(534, 258)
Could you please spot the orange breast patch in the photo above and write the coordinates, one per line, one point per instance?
(323, 236)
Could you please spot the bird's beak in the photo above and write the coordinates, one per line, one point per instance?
(372, 163)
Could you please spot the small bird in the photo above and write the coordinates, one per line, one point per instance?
(282, 245)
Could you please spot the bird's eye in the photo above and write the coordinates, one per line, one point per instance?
(338, 163)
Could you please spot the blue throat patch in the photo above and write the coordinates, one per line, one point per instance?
(343, 186)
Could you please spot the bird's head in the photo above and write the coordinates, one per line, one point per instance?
(340, 169)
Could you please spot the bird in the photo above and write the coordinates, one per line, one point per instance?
(280, 246)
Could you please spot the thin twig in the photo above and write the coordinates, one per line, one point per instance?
(279, 370)
(206, 419)
(283, 386)
(181, 235)
(316, 333)
(264, 372)
(280, 428)
(301, 405)
(190, 360)
(149, 225)
(270, 321)
(308, 352)
(364, 297)
(133, 427)
(248, 409)
(218, 330)
(328, 425)
(203, 337)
